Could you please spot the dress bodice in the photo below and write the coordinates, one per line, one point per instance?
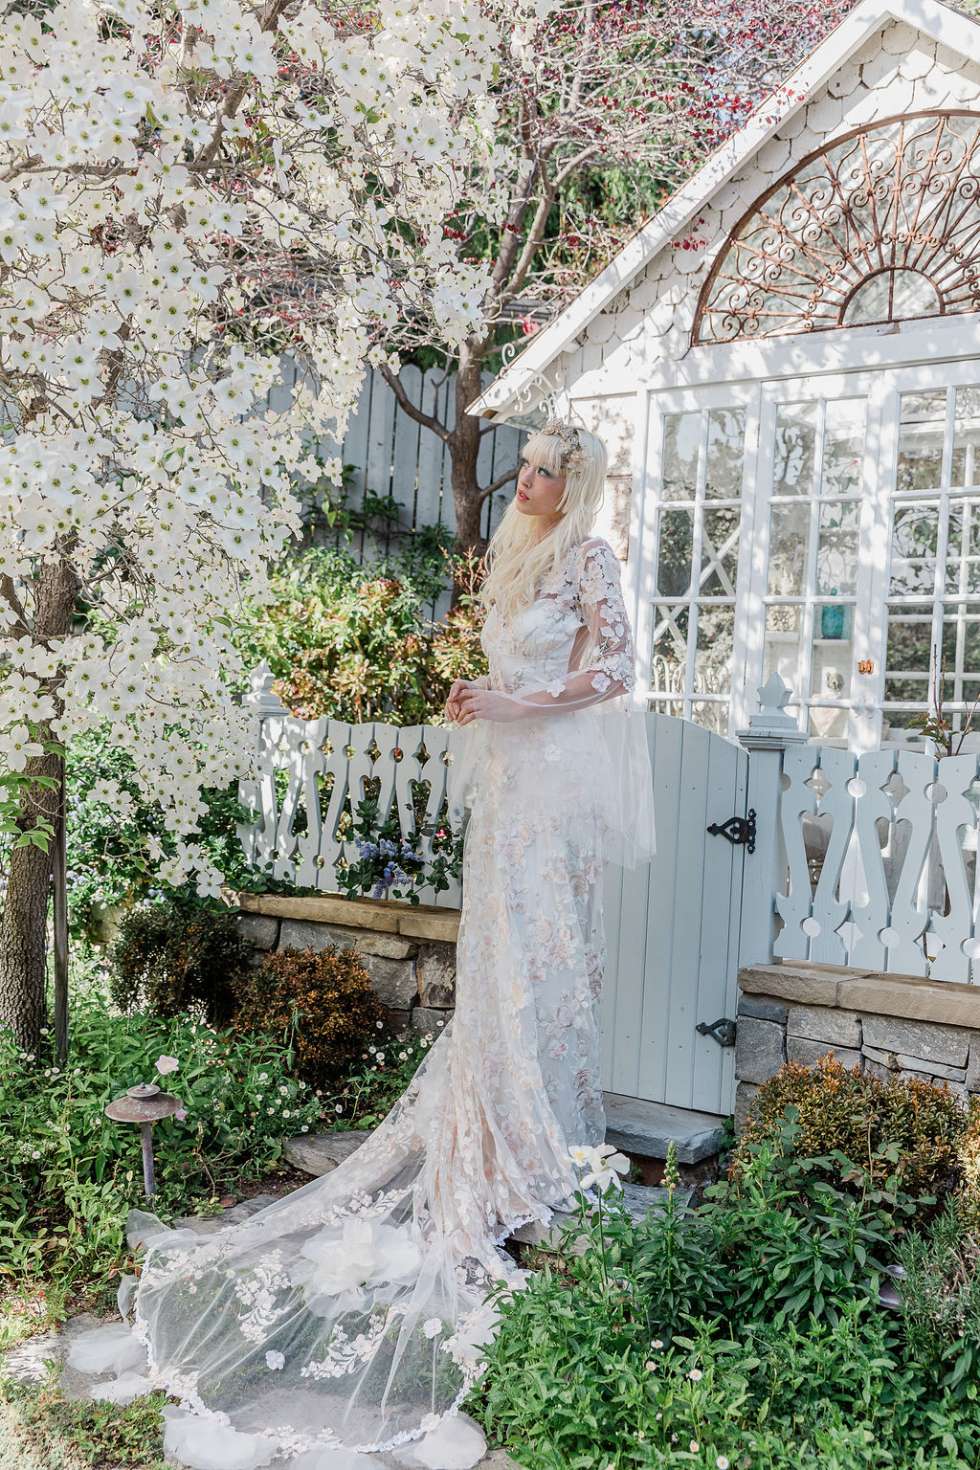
(535, 648)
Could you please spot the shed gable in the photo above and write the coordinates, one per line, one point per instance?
(896, 71)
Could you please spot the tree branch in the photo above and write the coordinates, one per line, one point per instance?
(413, 411)
(236, 92)
(496, 485)
(22, 628)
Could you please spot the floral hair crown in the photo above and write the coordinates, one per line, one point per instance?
(573, 455)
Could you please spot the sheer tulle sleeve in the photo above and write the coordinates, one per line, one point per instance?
(605, 643)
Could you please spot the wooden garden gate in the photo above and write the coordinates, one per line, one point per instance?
(673, 928)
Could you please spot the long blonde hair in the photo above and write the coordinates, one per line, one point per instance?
(516, 560)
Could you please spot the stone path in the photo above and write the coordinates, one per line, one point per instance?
(28, 1361)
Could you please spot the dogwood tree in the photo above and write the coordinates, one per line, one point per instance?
(188, 189)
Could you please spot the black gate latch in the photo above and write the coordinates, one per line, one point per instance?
(740, 831)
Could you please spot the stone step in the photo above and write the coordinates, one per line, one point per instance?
(318, 1153)
(632, 1124)
(646, 1128)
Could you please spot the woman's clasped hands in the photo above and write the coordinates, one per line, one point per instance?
(470, 699)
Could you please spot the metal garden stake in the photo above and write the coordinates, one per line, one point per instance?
(144, 1104)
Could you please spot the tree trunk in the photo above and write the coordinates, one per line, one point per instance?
(23, 924)
(464, 449)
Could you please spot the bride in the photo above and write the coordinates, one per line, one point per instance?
(341, 1326)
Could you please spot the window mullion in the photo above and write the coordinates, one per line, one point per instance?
(696, 544)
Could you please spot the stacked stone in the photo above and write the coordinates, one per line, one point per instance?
(413, 977)
(887, 1025)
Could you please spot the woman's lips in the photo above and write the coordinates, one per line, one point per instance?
(521, 495)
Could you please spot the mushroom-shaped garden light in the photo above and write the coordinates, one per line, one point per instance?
(144, 1104)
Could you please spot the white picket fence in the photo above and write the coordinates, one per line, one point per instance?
(897, 886)
(307, 770)
(872, 857)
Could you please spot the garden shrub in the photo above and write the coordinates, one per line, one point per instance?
(968, 1191)
(940, 1295)
(357, 642)
(319, 1002)
(579, 1378)
(70, 1175)
(110, 866)
(180, 955)
(792, 1245)
(855, 1114)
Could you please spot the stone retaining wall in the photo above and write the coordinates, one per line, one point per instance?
(888, 1025)
(409, 953)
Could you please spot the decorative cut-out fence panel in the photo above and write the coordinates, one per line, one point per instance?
(310, 771)
(896, 889)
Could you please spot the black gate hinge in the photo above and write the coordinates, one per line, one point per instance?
(723, 1030)
(740, 831)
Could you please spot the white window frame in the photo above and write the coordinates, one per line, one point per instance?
(881, 388)
(643, 532)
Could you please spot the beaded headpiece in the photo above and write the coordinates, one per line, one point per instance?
(573, 455)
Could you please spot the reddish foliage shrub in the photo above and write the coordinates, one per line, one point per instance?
(319, 1001)
(842, 1108)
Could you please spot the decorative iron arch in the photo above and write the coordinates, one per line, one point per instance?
(895, 201)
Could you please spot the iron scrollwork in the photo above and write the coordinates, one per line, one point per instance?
(880, 225)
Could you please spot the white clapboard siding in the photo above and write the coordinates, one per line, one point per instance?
(405, 460)
(673, 928)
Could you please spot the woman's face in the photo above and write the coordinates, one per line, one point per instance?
(539, 491)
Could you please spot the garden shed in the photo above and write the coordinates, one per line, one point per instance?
(784, 360)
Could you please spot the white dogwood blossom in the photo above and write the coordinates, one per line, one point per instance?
(188, 191)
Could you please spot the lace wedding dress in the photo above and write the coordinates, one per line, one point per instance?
(345, 1321)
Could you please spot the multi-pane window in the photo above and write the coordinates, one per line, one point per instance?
(933, 643)
(824, 529)
(817, 456)
(698, 525)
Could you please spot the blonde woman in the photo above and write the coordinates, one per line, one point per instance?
(347, 1319)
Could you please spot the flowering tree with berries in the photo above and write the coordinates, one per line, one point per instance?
(188, 189)
(602, 109)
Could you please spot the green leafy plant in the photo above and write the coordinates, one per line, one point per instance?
(177, 955)
(575, 1377)
(796, 1246)
(940, 1297)
(390, 865)
(111, 866)
(67, 1434)
(369, 1091)
(70, 1174)
(359, 642)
